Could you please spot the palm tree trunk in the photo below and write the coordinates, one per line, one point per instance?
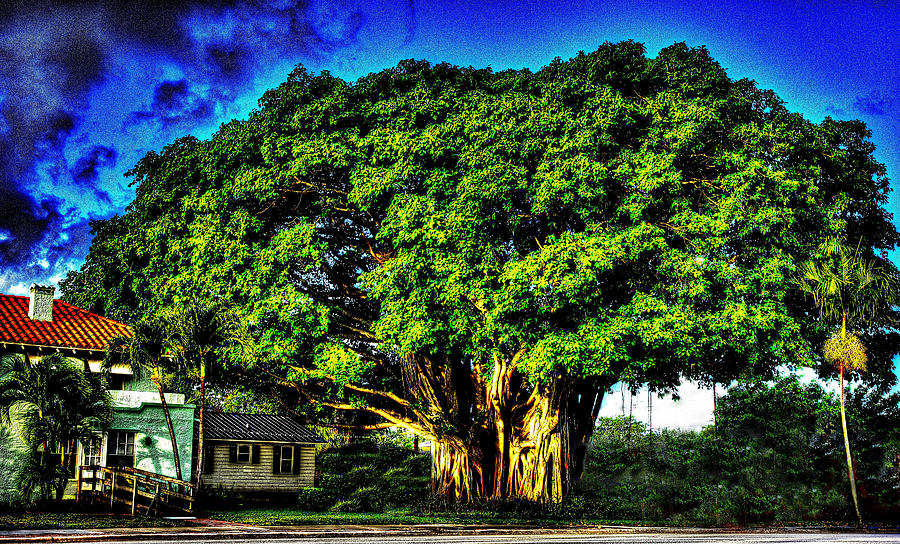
(165, 407)
(61, 487)
(200, 425)
(847, 450)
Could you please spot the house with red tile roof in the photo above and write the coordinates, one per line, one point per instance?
(246, 453)
(38, 325)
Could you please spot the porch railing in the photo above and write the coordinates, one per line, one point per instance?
(140, 490)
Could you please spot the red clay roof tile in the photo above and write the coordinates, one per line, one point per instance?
(71, 327)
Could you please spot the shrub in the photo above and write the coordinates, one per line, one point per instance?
(776, 455)
(368, 476)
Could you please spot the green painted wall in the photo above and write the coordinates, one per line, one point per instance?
(12, 455)
(152, 444)
(144, 384)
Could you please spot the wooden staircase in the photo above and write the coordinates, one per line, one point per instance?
(141, 491)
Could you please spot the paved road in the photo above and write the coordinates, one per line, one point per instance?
(426, 535)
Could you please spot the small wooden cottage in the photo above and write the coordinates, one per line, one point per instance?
(258, 453)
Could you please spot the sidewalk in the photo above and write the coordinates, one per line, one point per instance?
(222, 530)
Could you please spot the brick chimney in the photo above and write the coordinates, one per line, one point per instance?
(40, 306)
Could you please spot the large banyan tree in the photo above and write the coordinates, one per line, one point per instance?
(478, 256)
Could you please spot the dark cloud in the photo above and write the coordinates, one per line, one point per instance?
(227, 59)
(70, 245)
(47, 67)
(46, 71)
(198, 56)
(86, 170)
(174, 103)
(78, 57)
(875, 103)
(220, 47)
(24, 224)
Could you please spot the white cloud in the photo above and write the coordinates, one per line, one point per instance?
(694, 410)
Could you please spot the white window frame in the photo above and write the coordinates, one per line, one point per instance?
(123, 447)
(92, 451)
(243, 453)
(289, 460)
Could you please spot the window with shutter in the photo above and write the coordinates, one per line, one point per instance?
(287, 459)
(276, 459)
(255, 456)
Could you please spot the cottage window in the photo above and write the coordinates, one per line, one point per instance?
(121, 449)
(243, 453)
(91, 450)
(287, 459)
(124, 443)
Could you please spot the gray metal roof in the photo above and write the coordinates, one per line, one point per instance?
(256, 427)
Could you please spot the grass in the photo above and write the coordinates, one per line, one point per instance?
(287, 516)
(79, 520)
(272, 517)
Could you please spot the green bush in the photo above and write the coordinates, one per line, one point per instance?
(776, 455)
(313, 498)
(368, 476)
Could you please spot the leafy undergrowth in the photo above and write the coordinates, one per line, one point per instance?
(80, 520)
(368, 477)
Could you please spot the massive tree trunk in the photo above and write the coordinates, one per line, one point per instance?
(533, 450)
(494, 433)
(457, 470)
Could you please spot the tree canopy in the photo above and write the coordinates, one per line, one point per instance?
(479, 255)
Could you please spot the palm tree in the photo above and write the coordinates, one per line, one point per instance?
(201, 331)
(143, 353)
(851, 290)
(54, 403)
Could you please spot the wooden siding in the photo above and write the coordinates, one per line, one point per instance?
(249, 477)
